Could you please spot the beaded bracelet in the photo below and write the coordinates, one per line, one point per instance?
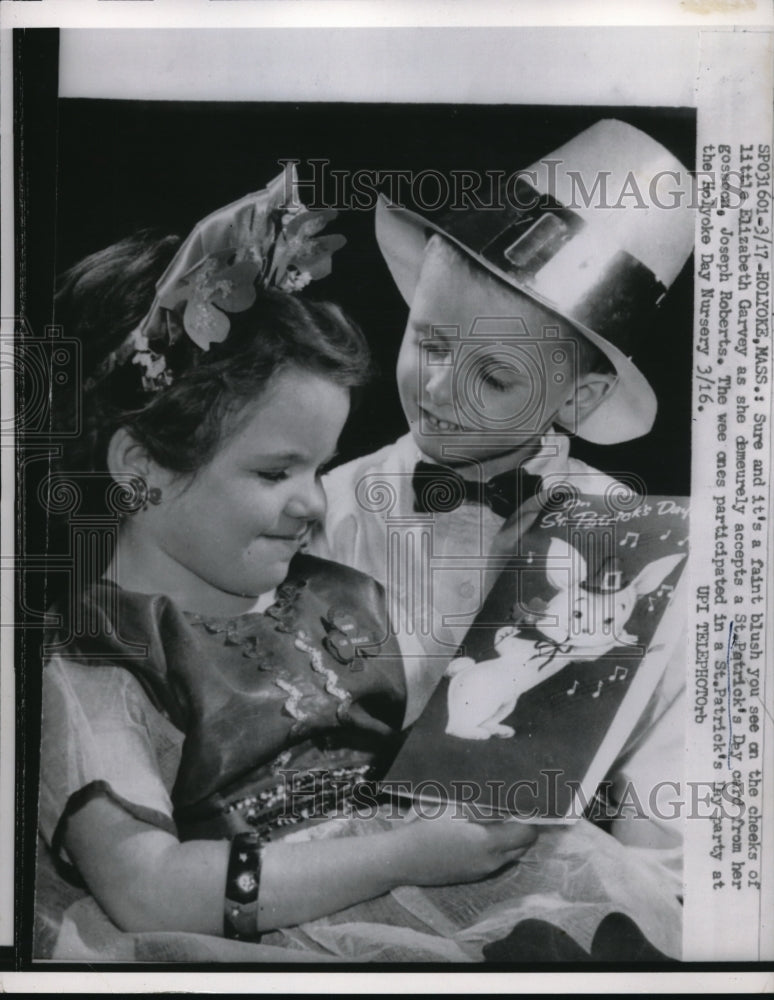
(240, 909)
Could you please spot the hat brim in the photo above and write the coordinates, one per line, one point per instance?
(628, 408)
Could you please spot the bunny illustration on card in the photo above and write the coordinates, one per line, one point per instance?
(584, 620)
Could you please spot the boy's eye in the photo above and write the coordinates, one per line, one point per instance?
(495, 382)
(492, 372)
(439, 355)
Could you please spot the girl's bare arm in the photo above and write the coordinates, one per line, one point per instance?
(146, 880)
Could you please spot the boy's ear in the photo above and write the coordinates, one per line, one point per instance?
(588, 393)
(125, 456)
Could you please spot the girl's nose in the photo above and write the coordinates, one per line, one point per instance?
(309, 504)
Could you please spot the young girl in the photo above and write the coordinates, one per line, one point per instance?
(213, 688)
(186, 703)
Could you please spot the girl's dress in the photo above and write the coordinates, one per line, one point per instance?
(207, 726)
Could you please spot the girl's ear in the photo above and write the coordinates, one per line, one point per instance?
(126, 457)
(588, 393)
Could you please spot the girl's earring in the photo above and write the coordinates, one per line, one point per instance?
(153, 496)
(145, 495)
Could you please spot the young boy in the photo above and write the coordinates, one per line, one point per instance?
(521, 326)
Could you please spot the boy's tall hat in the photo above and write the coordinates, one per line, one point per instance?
(596, 232)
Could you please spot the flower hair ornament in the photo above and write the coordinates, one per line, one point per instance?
(267, 239)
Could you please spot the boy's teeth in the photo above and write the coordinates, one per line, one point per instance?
(442, 425)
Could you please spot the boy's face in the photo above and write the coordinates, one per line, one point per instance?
(482, 369)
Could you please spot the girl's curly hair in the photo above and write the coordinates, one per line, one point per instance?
(105, 296)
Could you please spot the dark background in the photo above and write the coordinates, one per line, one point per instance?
(128, 165)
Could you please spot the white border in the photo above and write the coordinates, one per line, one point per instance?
(618, 983)
(386, 13)
(392, 65)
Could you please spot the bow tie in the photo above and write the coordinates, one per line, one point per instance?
(439, 489)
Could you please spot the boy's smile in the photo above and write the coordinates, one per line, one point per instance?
(482, 369)
(438, 425)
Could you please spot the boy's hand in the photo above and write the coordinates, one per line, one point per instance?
(449, 848)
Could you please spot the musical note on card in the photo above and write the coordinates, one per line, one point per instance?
(574, 688)
(531, 557)
(595, 694)
(619, 674)
(683, 542)
(665, 588)
(666, 535)
(651, 603)
(635, 537)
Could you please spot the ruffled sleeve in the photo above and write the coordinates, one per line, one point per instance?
(102, 736)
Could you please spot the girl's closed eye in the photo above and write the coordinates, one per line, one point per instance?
(272, 475)
(279, 475)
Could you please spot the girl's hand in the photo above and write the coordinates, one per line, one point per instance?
(450, 848)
